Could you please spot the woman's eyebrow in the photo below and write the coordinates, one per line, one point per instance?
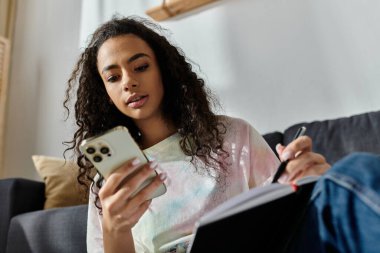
(131, 59)
(109, 67)
(136, 56)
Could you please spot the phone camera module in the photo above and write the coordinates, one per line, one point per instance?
(104, 150)
(90, 150)
(97, 158)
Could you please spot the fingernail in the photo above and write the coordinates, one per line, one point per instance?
(163, 176)
(136, 161)
(153, 165)
(286, 156)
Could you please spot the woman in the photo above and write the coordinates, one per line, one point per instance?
(131, 75)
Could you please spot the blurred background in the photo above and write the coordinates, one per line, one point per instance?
(271, 62)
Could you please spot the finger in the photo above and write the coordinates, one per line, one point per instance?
(122, 202)
(303, 163)
(146, 192)
(127, 188)
(140, 177)
(296, 147)
(279, 148)
(314, 170)
(146, 184)
(114, 180)
(123, 199)
(116, 203)
(139, 211)
(129, 217)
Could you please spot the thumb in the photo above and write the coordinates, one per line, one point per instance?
(279, 148)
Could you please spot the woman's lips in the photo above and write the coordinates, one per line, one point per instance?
(138, 103)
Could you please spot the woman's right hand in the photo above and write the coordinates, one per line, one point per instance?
(121, 210)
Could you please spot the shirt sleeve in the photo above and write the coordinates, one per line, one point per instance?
(264, 161)
(94, 237)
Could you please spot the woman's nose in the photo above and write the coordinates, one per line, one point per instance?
(129, 82)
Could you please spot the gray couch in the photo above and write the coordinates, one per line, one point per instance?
(25, 227)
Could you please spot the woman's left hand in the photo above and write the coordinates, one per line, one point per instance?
(302, 161)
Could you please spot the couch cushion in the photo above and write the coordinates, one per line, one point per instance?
(273, 139)
(17, 196)
(58, 230)
(60, 177)
(337, 138)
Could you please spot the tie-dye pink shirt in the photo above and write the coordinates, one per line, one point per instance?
(190, 194)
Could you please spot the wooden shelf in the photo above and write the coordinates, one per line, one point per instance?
(173, 8)
(5, 51)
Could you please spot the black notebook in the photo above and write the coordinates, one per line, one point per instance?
(263, 219)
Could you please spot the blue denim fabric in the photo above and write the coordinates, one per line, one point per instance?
(344, 212)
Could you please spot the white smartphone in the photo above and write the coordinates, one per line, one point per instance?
(108, 151)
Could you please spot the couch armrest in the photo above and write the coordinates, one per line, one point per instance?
(336, 138)
(273, 139)
(18, 196)
(58, 230)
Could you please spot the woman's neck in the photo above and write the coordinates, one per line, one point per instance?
(154, 131)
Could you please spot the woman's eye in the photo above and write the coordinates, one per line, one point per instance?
(112, 79)
(142, 68)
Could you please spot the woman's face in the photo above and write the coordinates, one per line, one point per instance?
(131, 75)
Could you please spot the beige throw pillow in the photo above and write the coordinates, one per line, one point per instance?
(61, 185)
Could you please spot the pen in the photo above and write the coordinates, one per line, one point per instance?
(301, 131)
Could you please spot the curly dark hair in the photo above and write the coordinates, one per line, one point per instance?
(187, 103)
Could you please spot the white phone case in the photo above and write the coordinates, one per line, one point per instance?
(111, 149)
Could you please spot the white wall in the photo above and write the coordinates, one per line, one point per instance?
(44, 52)
(271, 62)
(277, 62)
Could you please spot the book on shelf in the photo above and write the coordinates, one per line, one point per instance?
(263, 219)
